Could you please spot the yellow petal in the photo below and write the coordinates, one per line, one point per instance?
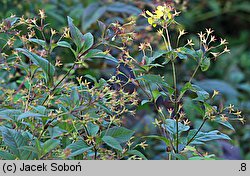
(159, 13)
(170, 16)
(150, 20)
(149, 13)
(161, 8)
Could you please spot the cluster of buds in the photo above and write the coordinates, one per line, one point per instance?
(208, 40)
(118, 102)
(224, 114)
(124, 32)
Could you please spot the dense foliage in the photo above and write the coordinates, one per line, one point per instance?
(123, 87)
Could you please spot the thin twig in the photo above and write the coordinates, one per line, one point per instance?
(203, 122)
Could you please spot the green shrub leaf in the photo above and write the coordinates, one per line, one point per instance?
(224, 123)
(78, 148)
(161, 138)
(202, 137)
(112, 142)
(6, 155)
(136, 153)
(88, 42)
(205, 64)
(47, 67)
(121, 134)
(92, 129)
(29, 114)
(83, 42)
(170, 125)
(96, 53)
(14, 140)
(38, 41)
(50, 145)
(76, 34)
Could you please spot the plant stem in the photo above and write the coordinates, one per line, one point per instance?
(78, 57)
(203, 122)
(194, 73)
(163, 119)
(175, 107)
(52, 91)
(175, 92)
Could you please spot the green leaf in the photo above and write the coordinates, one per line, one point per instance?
(29, 148)
(10, 114)
(179, 156)
(78, 148)
(186, 87)
(40, 109)
(156, 94)
(92, 78)
(14, 140)
(55, 131)
(112, 142)
(202, 95)
(76, 35)
(64, 44)
(202, 137)
(47, 67)
(145, 101)
(96, 53)
(29, 114)
(92, 129)
(121, 134)
(205, 64)
(182, 56)
(50, 145)
(88, 42)
(170, 125)
(136, 153)
(184, 53)
(224, 123)
(38, 147)
(161, 138)
(6, 155)
(155, 56)
(156, 79)
(38, 41)
(4, 117)
(74, 96)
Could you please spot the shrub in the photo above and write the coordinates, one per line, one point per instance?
(47, 112)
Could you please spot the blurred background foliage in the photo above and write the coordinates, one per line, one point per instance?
(230, 74)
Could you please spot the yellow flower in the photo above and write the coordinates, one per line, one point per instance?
(223, 118)
(161, 8)
(190, 42)
(159, 12)
(215, 93)
(42, 14)
(238, 113)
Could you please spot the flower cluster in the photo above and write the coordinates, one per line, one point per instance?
(208, 43)
(163, 15)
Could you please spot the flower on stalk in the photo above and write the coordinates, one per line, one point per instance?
(161, 15)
